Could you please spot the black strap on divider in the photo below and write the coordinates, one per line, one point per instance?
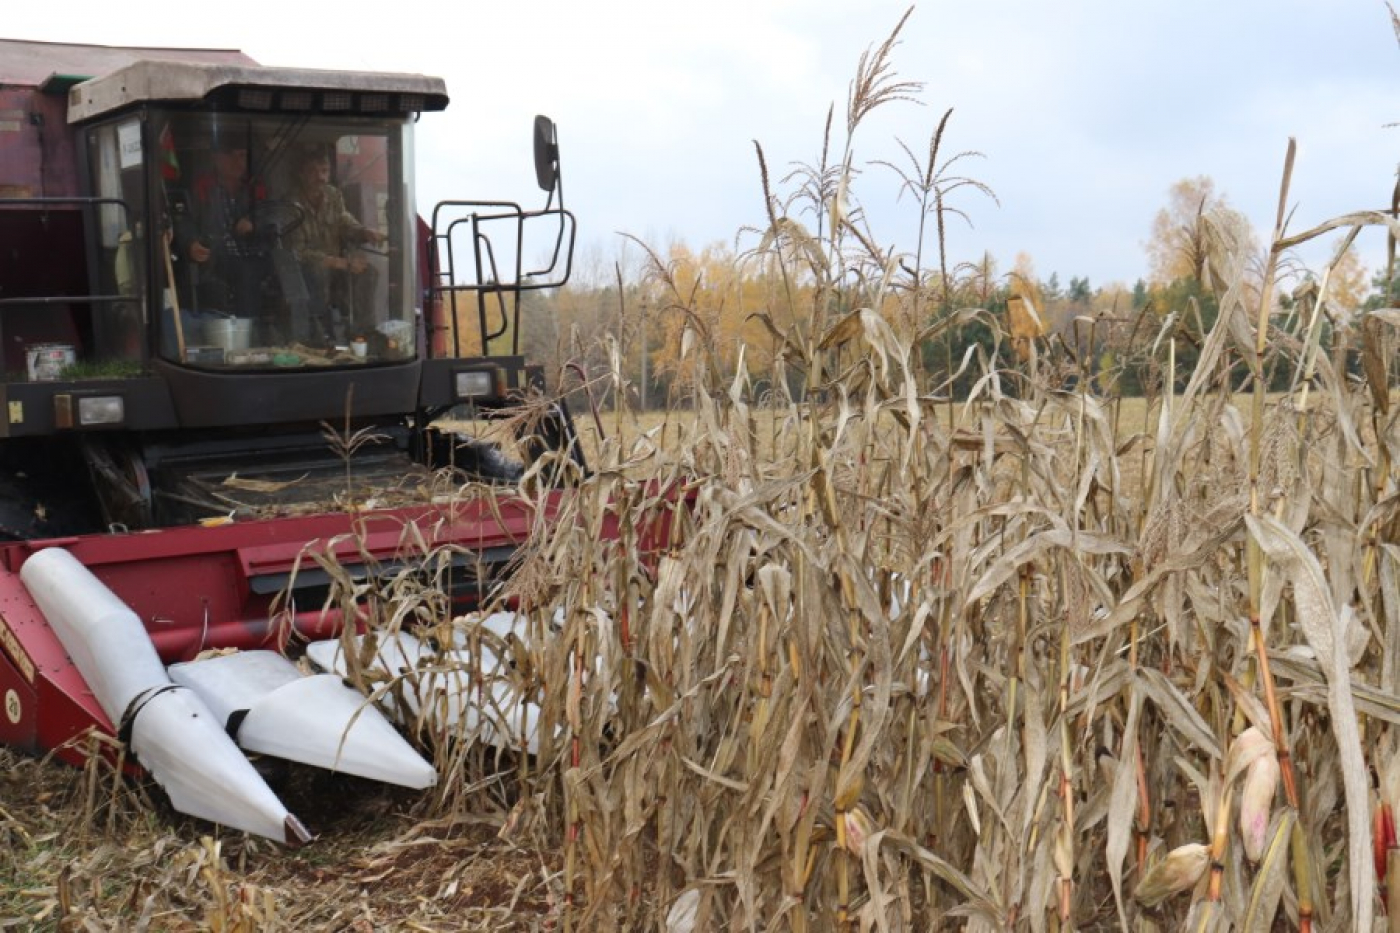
(235, 722)
(133, 709)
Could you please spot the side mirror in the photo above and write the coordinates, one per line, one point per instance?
(546, 154)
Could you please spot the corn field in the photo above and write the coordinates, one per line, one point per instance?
(898, 661)
(1000, 663)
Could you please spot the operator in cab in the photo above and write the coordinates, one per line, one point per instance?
(229, 265)
(340, 280)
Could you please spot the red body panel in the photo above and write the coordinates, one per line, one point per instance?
(18, 708)
(197, 588)
(36, 148)
(56, 705)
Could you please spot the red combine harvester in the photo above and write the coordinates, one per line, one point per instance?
(203, 264)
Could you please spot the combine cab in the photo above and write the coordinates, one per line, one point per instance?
(227, 337)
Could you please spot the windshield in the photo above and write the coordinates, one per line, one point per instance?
(289, 240)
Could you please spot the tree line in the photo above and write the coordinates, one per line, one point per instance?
(626, 320)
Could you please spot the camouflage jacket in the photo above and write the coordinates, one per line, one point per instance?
(325, 230)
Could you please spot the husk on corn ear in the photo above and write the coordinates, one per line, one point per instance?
(1246, 748)
(1178, 871)
(1256, 801)
(857, 830)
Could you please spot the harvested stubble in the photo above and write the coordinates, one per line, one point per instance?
(75, 861)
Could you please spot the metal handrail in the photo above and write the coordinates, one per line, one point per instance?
(484, 257)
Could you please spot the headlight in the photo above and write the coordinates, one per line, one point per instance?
(475, 383)
(101, 409)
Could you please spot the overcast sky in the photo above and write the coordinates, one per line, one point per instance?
(1085, 111)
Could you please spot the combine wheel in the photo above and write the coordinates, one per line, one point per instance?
(123, 487)
(484, 460)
